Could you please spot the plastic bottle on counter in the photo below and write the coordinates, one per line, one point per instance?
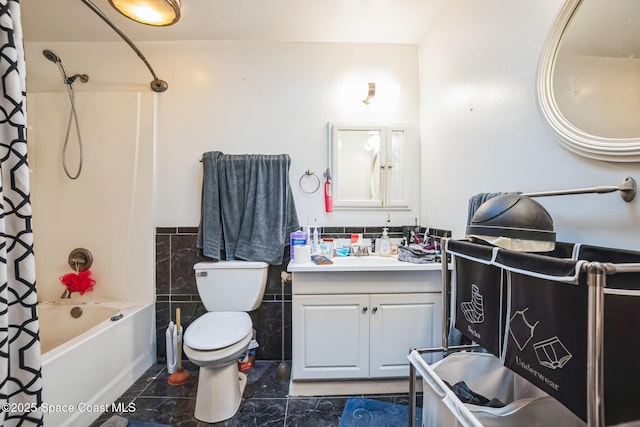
(385, 243)
(298, 238)
(327, 247)
(315, 244)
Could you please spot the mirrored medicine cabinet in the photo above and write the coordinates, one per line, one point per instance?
(371, 165)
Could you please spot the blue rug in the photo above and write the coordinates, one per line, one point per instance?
(374, 413)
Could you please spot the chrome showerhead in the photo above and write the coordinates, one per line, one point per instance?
(51, 56)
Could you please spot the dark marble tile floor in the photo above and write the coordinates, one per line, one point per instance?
(265, 402)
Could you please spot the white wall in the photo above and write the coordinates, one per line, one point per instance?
(108, 209)
(474, 99)
(481, 130)
(248, 97)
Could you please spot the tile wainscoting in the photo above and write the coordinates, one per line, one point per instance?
(176, 254)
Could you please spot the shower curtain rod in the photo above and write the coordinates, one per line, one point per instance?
(627, 190)
(157, 85)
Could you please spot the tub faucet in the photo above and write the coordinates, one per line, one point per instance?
(66, 294)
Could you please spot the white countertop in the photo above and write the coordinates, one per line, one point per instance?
(362, 263)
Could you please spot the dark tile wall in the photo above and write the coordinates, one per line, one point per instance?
(176, 254)
(367, 232)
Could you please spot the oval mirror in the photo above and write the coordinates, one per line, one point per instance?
(589, 79)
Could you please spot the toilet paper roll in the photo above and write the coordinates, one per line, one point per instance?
(301, 254)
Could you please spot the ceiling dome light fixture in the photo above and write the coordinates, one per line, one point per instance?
(151, 12)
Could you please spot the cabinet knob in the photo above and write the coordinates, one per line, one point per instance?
(364, 309)
(374, 309)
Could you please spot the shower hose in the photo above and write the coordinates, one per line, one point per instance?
(73, 117)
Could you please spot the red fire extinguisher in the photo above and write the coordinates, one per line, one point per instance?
(328, 198)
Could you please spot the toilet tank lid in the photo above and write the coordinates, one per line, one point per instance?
(214, 265)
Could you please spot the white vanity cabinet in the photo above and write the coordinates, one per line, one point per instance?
(331, 336)
(357, 320)
(400, 322)
(361, 335)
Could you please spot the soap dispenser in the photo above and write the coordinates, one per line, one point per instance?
(385, 243)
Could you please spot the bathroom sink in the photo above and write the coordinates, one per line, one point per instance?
(362, 263)
(371, 260)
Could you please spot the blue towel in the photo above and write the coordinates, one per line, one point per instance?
(247, 207)
(210, 230)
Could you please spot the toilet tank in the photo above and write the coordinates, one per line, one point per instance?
(231, 285)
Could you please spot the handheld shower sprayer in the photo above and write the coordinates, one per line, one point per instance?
(53, 57)
(73, 116)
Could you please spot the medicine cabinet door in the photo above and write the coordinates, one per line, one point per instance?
(394, 173)
(369, 166)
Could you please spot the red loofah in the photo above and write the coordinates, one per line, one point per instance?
(78, 282)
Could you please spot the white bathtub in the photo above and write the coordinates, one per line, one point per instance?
(88, 362)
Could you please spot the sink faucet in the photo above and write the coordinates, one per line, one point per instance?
(359, 250)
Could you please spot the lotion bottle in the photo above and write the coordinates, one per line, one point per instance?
(385, 243)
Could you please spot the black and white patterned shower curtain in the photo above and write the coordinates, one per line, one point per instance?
(20, 366)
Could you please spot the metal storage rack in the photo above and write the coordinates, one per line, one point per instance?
(596, 280)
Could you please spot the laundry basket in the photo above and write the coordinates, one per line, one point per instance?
(526, 405)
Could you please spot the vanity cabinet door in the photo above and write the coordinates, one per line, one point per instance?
(331, 336)
(399, 322)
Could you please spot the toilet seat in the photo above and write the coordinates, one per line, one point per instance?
(216, 330)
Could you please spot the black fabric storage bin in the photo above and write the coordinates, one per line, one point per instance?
(621, 371)
(479, 295)
(615, 256)
(561, 250)
(548, 315)
(544, 326)
(547, 341)
(621, 326)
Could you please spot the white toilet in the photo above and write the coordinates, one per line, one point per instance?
(215, 340)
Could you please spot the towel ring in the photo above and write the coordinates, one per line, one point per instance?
(309, 174)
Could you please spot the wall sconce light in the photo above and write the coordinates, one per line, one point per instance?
(150, 12)
(371, 94)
